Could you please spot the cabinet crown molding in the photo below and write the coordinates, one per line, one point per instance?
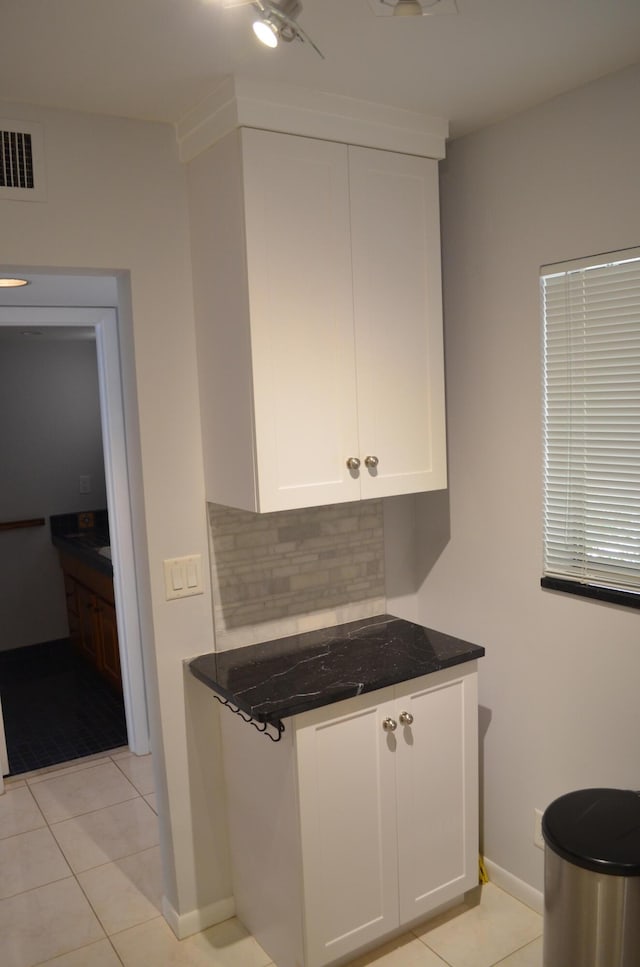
(241, 102)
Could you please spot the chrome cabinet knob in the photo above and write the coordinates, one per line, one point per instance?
(353, 463)
(406, 718)
(371, 462)
(389, 725)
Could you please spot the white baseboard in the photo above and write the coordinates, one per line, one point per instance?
(517, 888)
(186, 924)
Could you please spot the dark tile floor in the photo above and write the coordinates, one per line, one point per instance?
(56, 707)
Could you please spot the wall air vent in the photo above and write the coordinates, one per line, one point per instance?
(21, 161)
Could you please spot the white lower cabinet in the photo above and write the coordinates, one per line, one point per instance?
(349, 828)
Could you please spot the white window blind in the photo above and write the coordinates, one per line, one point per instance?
(592, 421)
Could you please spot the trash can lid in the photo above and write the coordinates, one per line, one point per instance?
(597, 829)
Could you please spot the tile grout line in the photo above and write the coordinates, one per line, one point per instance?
(70, 770)
(130, 780)
(504, 958)
(42, 816)
(62, 773)
(431, 950)
(75, 876)
(78, 764)
(89, 812)
(98, 865)
(59, 771)
(80, 886)
(82, 947)
(96, 915)
(516, 950)
(136, 792)
(32, 889)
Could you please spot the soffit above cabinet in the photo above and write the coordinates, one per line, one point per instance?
(240, 102)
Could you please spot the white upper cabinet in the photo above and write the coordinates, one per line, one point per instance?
(317, 298)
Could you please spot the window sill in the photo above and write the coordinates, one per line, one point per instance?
(627, 599)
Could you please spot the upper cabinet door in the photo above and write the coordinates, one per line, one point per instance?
(398, 321)
(296, 200)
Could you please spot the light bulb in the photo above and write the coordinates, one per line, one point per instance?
(265, 32)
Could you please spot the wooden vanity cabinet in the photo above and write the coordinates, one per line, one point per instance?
(109, 645)
(92, 617)
(317, 290)
(349, 828)
(87, 638)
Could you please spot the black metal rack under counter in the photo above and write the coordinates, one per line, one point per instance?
(276, 679)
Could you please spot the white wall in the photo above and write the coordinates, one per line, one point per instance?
(116, 202)
(49, 434)
(559, 684)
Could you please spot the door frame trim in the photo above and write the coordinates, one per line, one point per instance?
(104, 321)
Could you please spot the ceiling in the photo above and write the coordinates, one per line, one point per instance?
(157, 59)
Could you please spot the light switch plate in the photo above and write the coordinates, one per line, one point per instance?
(182, 576)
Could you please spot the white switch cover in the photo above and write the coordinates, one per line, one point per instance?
(182, 576)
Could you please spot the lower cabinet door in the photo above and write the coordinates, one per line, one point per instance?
(109, 644)
(437, 788)
(87, 636)
(347, 802)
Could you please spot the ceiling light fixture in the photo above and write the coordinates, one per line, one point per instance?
(13, 283)
(266, 32)
(407, 8)
(276, 21)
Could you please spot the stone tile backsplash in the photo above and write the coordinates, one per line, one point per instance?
(282, 573)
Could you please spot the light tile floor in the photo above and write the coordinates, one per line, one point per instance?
(81, 886)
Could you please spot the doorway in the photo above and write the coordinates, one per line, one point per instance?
(103, 325)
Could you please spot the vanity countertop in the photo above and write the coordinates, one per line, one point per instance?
(275, 679)
(85, 539)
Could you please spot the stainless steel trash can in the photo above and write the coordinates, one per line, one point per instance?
(592, 879)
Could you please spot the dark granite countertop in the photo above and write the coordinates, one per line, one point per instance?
(83, 540)
(276, 679)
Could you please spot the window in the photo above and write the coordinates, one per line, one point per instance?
(591, 314)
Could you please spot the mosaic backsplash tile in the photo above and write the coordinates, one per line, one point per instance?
(282, 573)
